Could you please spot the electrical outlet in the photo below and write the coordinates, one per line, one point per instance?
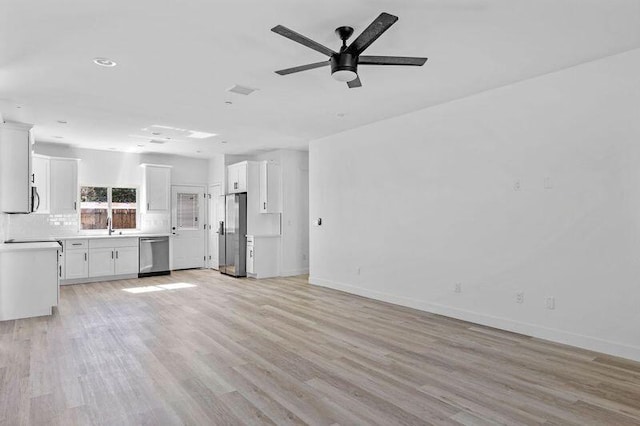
(520, 297)
(457, 288)
(550, 302)
(516, 185)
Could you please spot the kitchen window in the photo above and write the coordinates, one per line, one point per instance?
(99, 203)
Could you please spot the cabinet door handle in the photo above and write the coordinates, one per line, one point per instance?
(85, 257)
(33, 178)
(116, 254)
(265, 206)
(250, 253)
(60, 273)
(112, 254)
(75, 205)
(148, 206)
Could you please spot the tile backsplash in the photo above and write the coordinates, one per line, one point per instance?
(37, 226)
(30, 226)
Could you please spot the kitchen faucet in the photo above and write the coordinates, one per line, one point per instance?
(110, 228)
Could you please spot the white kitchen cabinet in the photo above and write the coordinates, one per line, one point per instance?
(15, 167)
(250, 258)
(28, 280)
(126, 260)
(61, 266)
(113, 257)
(237, 177)
(99, 259)
(63, 185)
(157, 188)
(101, 262)
(263, 256)
(40, 179)
(76, 264)
(270, 182)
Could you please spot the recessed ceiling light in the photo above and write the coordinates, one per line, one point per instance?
(140, 145)
(228, 102)
(59, 137)
(198, 152)
(62, 122)
(156, 133)
(241, 90)
(104, 62)
(18, 107)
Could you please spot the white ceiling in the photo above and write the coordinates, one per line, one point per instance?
(176, 60)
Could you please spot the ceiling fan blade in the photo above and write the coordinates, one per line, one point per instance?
(372, 32)
(302, 68)
(299, 38)
(391, 60)
(354, 83)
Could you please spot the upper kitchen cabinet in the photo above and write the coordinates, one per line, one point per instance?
(237, 177)
(63, 185)
(157, 188)
(41, 180)
(270, 182)
(15, 167)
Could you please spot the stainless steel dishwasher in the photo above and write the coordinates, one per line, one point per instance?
(154, 256)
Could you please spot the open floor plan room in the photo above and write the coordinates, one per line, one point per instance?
(417, 212)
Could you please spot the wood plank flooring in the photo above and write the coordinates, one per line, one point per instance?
(281, 351)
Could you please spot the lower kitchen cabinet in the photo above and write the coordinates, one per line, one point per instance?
(76, 264)
(113, 257)
(126, 260)
(263, 256)
(101, 262)
(99, 259)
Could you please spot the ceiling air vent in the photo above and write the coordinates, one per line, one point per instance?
(241, 90)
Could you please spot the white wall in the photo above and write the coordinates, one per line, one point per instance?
(217, 171)
(106, 168)
(430, 199)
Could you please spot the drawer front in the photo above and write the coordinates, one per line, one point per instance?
(111, 242)
(76, 244)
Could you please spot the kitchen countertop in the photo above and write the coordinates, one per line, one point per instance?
(95, 236)
(4, 247)
(90, 237)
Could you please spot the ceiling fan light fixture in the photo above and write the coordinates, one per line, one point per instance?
(344, 75)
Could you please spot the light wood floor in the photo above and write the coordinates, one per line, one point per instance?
(281, 351)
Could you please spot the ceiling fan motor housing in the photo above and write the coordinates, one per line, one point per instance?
(344, 62)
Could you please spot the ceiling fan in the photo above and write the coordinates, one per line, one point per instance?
(344, 64)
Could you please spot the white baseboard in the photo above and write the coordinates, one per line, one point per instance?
(98, 279)
(294, 272)
(554, 335)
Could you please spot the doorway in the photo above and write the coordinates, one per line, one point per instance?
(188, 226)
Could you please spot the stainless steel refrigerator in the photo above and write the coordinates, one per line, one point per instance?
(232, 236)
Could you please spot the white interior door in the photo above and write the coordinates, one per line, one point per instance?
(216, 213)
(188, 226)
